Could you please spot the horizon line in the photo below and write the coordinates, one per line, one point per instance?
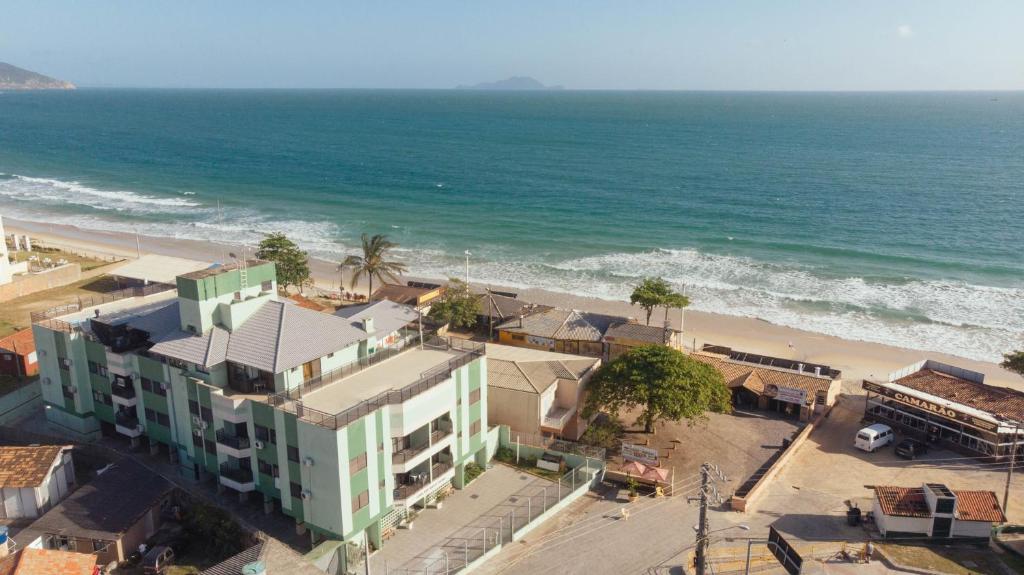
(546, 90)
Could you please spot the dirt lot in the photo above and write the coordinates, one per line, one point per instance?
(810, 495)
(14, 314)
(738, 443)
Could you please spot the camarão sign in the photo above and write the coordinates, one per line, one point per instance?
(926, 405)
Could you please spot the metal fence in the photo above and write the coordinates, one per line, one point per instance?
(98, 299)
(460, 551)
(554, 444)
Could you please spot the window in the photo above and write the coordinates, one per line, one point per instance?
(163, 419)
(361, 500)
(293, 453)
(193, 407)
(238, 296)
(206, 413)
(65, 363)
(147, 384)
(211, 447)
(296, 489)
(518, 337)
(197, 441)
(474, 396)
(99, 545)
(474, 428)
(9, 357)
(267, 285)
(264, 467)
(93, 366)
(357, 464)
(150, 415)
(153, 387)
(266, 434)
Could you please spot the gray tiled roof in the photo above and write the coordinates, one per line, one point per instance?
(636, 331)
(207, 350)
(502, 307)
(388, 316)
(563, 324)
(532, 370)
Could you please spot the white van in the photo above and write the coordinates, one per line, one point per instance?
(874, 436)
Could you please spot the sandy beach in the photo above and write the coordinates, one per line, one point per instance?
(856, 359)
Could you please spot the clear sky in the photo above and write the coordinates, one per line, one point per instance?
(591, 44)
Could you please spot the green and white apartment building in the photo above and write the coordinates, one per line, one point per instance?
(344, 422)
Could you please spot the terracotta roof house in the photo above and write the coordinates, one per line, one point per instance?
(936, 511)
(537, 392)
(110, 516)
(949, 405)
(34, 479)
(797, 389)
(47, 562)
(497, 308)
(18, 354)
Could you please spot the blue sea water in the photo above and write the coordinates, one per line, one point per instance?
(892, 217)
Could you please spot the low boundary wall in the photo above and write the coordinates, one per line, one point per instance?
(31, 283)
(747, 501)
(21, 402)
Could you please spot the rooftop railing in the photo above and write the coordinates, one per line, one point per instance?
(291, 401)
(98, 299)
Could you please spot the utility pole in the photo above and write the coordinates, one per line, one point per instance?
(1009, 472)
(467, 252)
(702, 527)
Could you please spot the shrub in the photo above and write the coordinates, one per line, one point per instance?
(604, 432)
(472, 472)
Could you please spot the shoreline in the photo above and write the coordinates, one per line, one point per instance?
(856, 359)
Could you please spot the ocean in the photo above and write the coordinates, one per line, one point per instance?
(887, 217)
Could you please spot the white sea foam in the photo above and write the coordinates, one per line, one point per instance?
(52, 191)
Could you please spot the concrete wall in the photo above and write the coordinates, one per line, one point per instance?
(972, 529)
(31, 283)
(21, 402)
(520, 410)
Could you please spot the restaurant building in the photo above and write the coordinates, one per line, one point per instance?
(951, 406)
(794, 389)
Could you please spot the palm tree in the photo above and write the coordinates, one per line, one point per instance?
(372, 263)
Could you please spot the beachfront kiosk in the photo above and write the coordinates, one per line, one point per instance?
(952, 407)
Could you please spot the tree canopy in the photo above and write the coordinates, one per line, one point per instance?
(1014, 362)
(457, 307)
(656, 292)
(291, 262)
(374, 263)
(663, 382)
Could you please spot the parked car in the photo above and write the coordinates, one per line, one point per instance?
(874, 436)
(911, 448)
(157, 559)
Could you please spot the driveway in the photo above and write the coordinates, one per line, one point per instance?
(483, 509)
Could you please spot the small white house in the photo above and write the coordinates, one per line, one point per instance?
(34, 479)
(933, 510)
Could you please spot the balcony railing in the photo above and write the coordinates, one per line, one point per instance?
(123, 391)
(439, 434)
(234, 441)
(126, 420)
(291, 400)
(405, 490)
(407, 453)
(235, 473)
(87, 302)
(437, 469)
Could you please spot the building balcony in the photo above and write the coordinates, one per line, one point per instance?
(412, 490)
(556, 419)
(238, 478)
(127, 424)
(237, 446)
(407, 459)
(124, 395)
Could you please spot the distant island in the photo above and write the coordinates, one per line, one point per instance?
(513, 83)
(15, 78)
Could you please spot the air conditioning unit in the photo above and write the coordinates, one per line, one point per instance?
(197, 433)
(308, 462)
(258, 444)
(203, 425)
(306, 495)
(196, 420)
(73, 390)
(163, 386)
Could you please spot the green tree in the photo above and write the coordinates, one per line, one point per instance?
(457, 307)
(664, 383)
(1014, 362)
(674, 300)
(649, 294)
(374, 263)
(291, 262)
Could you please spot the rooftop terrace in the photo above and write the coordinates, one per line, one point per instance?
(389, 378)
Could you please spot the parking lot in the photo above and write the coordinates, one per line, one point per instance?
(811, 495)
